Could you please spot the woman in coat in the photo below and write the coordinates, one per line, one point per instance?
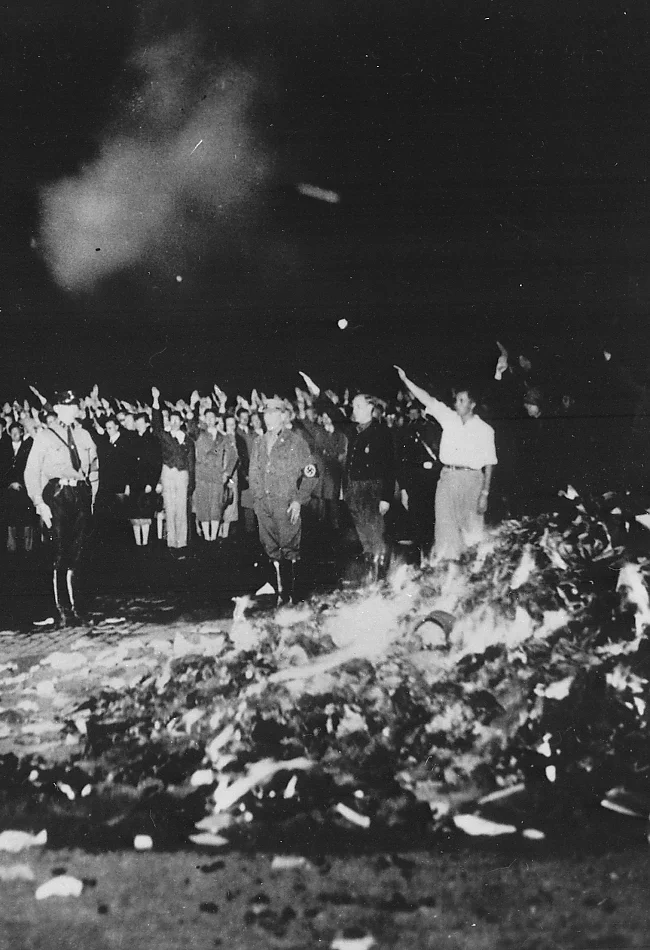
(207, 503)
(144, 475)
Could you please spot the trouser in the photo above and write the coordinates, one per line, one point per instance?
(175, 484)
(420, 486)
(279, 538)
(458, 523)
(71, 512)
(362, 498)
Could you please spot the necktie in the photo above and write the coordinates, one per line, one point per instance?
(74, 453)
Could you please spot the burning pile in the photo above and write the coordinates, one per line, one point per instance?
(524, 667)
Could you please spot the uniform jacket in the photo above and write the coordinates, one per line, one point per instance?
(50, 458)
(330, 449)
(287, 474)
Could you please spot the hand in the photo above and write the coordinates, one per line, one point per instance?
(155, 393)
(482, 505)
(127, 490)
(294, 512)
(45, 514)
(311, 385)
(405, 499)
(194, 398)
(147, 489)
(15, 486)
(383, 507)
(159, 489)
(400, 373)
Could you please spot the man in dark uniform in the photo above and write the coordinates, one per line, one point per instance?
(370, 483)
(369, 477)
(418, 471)
(281, 475)
(61, 477)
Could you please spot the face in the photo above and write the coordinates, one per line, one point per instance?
(210, 419)
(231, 426)
(244, 418)
(361, 410)
(533, 410)
(273, 419)
(112, 428)
(175, 422)
(140, 426)
(67, 414)
(256, 422)
(16, 434)
(128, 422)
(464, 404)
(414, 414)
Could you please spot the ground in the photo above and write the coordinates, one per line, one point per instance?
(588, 892)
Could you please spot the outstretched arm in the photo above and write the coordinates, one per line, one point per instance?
(420, 394)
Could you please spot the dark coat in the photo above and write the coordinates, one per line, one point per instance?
(371, 457)
(18, 507)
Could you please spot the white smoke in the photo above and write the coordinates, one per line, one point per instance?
(176, 183)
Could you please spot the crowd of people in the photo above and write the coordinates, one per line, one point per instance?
(194, 472)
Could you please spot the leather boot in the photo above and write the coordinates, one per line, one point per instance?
(288, 577)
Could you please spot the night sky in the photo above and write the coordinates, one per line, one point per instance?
(490, 159)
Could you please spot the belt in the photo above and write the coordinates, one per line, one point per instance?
(461, 468)
(70, 482)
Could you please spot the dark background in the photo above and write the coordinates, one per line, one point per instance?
(491, 159)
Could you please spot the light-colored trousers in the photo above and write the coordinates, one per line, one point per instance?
(458, 523)
(175, 483)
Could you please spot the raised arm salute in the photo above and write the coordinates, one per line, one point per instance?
(178, 473)
(467, 455)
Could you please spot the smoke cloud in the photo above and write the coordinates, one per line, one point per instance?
(181, 169)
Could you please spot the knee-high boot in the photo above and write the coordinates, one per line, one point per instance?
(289, 571)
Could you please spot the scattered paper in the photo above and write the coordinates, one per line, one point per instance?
(265, 589)
(15, 841)
(208, 840)
(143, 843)
(475, 825)
(288, 862)
(353, 943)
(61, 886)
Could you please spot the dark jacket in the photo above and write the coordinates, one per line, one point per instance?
(146, 460)
(371, 457)
(114, 463)
(18, 507)
(418, 448)
(174, 455)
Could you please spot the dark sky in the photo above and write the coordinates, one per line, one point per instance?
(490, 157)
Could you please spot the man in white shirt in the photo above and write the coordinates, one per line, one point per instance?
(468, 455)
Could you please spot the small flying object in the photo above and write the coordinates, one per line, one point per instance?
(321, 194)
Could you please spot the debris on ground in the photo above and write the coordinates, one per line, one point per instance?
(437, 701)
